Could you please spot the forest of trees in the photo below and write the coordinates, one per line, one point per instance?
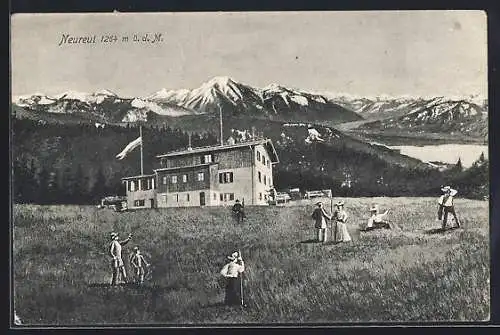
(76, 164)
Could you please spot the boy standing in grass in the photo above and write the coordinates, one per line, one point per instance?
(320, 216)
(116, 252)
(446, 206)
(138, 262)
(232, 271)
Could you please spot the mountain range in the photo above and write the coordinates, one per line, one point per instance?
(57, 132)
(273, 102)
(220, 93)
(437, 115)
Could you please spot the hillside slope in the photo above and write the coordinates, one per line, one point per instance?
(408, 274)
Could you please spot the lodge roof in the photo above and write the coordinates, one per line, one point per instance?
(185, 167)
(266, 142)
(139, 176)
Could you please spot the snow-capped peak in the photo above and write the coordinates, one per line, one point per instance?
(220, 81)
(82, 96)
(105, 92)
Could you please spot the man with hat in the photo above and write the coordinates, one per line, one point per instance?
(446, 206)
(231, 271)
(320, 216)
(340, 216)
(116, 252)
(376, 218)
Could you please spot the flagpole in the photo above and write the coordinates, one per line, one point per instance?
(220, 121)
(142, 161)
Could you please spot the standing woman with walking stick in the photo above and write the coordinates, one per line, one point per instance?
(231, 271)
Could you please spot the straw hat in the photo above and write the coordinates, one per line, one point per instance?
(340, 203)
(113, 235)
(374, 208)
(446, 189)
(319, 203)
(233, 256)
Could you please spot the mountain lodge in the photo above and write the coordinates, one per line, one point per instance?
(207, 176)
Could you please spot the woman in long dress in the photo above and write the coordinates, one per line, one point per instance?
(341, 219)
(232, 272)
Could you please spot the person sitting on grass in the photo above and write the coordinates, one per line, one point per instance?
(116, 252)
(377, 220)
(138, 263)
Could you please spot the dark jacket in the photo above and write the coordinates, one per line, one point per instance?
(317, 215)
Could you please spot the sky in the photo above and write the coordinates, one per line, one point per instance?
(370, 53)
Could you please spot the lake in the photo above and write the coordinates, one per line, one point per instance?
(446, 153)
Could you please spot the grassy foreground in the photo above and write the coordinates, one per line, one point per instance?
(406, 274)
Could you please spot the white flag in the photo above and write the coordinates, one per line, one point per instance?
(131, 146)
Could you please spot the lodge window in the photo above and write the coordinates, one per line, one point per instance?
(265, 180)
(187, 197)
(131, 186)
(164, 180)
(221, 197)
(215, 196)
(225, 177)
(207, 159)
(260, 177)
(184, 178)
(268, 164)
(139, 203)
(201, 176)
(263, 159)
(177, 197)
(258, 156)
(146, 184)
(260, 195)
(174, 179)
(228, 196)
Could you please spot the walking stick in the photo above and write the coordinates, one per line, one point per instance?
(241, 283)
(333, 222)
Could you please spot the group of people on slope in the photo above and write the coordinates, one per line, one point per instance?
(137, 261)
(339, 218)
(233, 270)
(376, 219)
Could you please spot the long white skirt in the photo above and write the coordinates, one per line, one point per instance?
(343, 233)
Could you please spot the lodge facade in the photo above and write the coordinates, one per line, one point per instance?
(207, 176)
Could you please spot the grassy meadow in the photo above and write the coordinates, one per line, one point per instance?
(410, 273)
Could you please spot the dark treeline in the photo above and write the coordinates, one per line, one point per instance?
(349, 172)
(76, 164)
